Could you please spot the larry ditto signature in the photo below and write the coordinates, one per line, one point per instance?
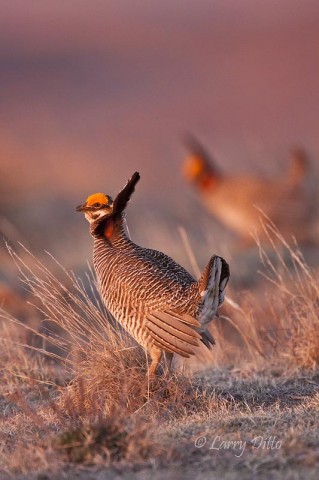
(239, 446)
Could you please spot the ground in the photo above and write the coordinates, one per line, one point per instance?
(76, 402)
(257, 425)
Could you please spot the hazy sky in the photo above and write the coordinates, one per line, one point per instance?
(93, 90)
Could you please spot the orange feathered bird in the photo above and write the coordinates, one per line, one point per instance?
(237, 200)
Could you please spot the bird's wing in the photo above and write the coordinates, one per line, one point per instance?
(173, 332)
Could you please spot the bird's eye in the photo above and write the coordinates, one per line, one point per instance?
(96, 205)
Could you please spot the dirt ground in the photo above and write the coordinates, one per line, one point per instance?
(257, 425)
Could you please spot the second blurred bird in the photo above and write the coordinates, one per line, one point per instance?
(237, 200)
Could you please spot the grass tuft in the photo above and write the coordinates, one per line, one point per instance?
(74, 388)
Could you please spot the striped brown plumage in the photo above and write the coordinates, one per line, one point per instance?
(156, 300)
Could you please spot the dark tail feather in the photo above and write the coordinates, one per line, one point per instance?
(212, 286)
(207, 339)
(124, 196)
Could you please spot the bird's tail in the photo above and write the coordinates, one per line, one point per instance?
(212, 287)
(299, 167)
(207, 338)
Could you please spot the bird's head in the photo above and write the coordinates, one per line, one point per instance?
(194, 167)
(199, 168)
(96, 207)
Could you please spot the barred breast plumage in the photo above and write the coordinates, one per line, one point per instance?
(156, 300)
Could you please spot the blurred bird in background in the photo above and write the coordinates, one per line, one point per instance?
(239, 201)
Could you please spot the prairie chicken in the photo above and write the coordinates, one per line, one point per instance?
(287, 201)
(156, 300)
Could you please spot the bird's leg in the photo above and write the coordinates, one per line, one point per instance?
(168, 359)
(156, 357)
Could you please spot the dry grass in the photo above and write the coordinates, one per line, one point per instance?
(296, 305)
(76, 391)
(277, 325)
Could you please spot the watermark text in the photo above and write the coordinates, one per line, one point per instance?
(239, 446)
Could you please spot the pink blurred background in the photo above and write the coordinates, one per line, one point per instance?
(91, 91)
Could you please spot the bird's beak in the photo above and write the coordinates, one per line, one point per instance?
(81, 208)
